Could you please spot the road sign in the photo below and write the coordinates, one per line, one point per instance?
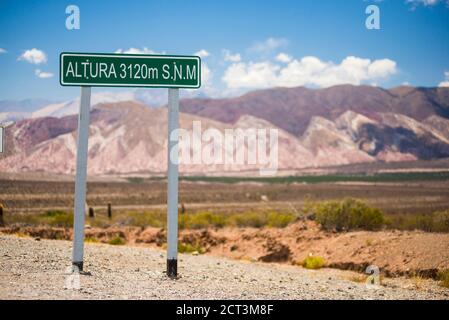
(2, 131)
(129, 70)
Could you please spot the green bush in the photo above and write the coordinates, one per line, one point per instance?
(252, 219)
(441, 221)
(145, 219)
(249, 219)
(57, 218)
(313, 262)
(201, 220)
(348, 214)
(245, 219)
(412, 222)
(279, 220)
(54, 213)
(91, 240)
(116, 241)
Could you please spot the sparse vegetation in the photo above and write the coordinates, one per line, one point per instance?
(190, 248)
(279, 220)
(348, 214)
(208, 219)
(436, 222)
(313, 262)
(201, 220)
(91, 240)
(116, 241)
(144, 219)
(418, 281)
(22, 235)
(254, 219)
(443, 276)
(362, 177)
(158, 219)
(53, 218)
(60, 219)
(345, 215)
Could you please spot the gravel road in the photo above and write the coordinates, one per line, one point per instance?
(31, 269)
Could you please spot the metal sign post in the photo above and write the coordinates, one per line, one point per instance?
(172, 183)
(129, 70)
(80, 179)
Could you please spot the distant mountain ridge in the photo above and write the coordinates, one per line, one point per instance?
(292, 108)
(26, 105)
(323, 127)
(37, 108)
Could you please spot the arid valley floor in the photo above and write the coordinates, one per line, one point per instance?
(247, 256)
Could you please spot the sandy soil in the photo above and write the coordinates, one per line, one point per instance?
(31, 269)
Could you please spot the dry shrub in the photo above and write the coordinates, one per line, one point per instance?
(313, 262)
(348, 214)
(443, 276)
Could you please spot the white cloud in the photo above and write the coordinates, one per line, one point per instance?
(252, 75)
(34, 56)
(202, 53)
(283, 57)
(144, 50)
(426, 2)
(269, 45)
(2, 50)
(445, 83)
(307, 71)
(42, 74)
(206, 75)
(228, 56)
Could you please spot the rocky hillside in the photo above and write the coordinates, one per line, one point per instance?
(293, 108)
(335, 126)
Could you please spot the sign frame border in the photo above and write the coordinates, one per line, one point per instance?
(160, 56)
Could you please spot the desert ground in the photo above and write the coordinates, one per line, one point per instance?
(254, 256)
(31, 269)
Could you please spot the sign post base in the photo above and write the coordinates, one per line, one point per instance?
(172, 268)
(78, 265)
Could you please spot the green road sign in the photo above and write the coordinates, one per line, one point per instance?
(129, 70)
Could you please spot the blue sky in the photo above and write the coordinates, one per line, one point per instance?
(245, 45)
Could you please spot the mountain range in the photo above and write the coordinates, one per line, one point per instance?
(316, 127)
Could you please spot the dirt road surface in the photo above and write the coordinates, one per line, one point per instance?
(37, 269)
